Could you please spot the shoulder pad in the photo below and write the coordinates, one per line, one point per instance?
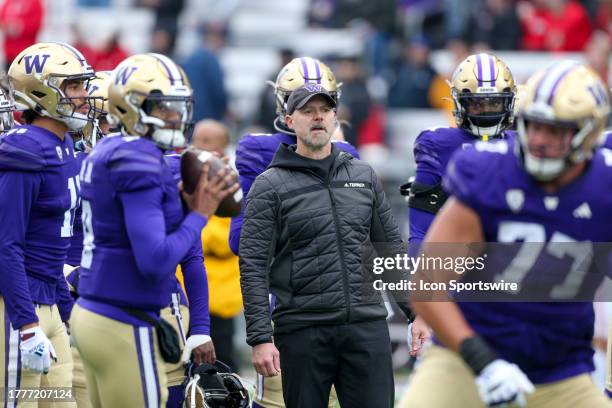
(251, 139)
(464, 175)
(346, 147)
(258, 134)
(136, 165)
(434, 134)
(21, 152)
(500, 146)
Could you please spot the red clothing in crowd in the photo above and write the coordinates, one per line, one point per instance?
(107, 59)
(20, 22)
(568, 30)
(103, 59)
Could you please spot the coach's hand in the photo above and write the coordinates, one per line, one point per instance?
(266, 359)
(418, 334)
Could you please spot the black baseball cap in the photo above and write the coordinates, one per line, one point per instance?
(300, 96)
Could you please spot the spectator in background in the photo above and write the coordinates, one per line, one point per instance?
(603, 19)
(456, 15)
(354, 105)
(20, 23)
(381, 17)
(495, 26)
(221, 264)
(414, 77)
(105, 57)
(554, 25)
(320, 13)
(597, 54)
(110, 54)
(166, 23)
(206, 76)
(267, 102)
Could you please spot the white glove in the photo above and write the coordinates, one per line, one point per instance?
(192, 342)
(36, 350)
(501, 383)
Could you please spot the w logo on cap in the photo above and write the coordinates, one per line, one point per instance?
(35, 62)
(313, 87)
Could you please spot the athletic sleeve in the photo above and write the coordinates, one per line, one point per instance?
(196, 285)
(156, 253)
(250, 163)
(19, 190)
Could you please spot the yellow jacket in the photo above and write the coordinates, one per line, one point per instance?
(222, 269)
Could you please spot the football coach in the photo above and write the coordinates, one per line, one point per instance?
(306, 220)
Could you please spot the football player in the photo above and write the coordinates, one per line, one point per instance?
(94, 130)
(176, 313)
(542, 187)
(135, 233)
(483, 93)
(39, 190)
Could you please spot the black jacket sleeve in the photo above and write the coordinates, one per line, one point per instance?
(257, 242)
(384, 229)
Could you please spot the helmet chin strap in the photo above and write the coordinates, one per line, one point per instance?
(164, 138)
(543, 169)
(485, 133)
(75, 122)
(168, 138)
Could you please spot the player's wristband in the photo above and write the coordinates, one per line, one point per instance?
(476, 353)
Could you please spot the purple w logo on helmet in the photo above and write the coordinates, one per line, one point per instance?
(123, 74)
(34, 62)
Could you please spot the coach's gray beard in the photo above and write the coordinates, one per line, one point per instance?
(315, 145)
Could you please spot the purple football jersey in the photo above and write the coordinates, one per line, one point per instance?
(549, 341)
(135, 231)
(433, 149)
(38, 180)
(76, 243)
(607, 139)
(253, 155)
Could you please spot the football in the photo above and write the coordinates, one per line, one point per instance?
(192, 161)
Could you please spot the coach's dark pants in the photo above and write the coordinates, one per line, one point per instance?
(355, 357)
